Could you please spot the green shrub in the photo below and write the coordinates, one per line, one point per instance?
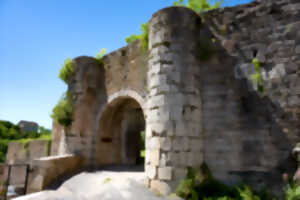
(292, 192)
(11, 133)
(198, 5)
(100, 55)
(3, 150)
(143, 37)
(256, 77)
(62, 112)
(200, 184)
(66, 71)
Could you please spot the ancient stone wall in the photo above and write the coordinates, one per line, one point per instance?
(249, 135)
(173, 123)
(197, 96)
(93, 88)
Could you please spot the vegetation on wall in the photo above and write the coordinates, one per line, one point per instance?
(143, 37)
(66, 71)
(201, 185)
(198, 5)
(62, 112)
(11, 133)
(100, 55)
(256, 77)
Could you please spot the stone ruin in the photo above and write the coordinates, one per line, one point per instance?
(193, 95)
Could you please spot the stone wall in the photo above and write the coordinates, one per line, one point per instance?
(22, 153)
(45, 171)
(197, 97)
(173, 123)
(94, 87)
(249, 135)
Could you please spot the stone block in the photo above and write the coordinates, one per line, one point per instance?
(157, 80)
(179, 173)
(196, 145)
(154, 157)
(156, 68)
(176, 113)
(277, 72)
(158, 127)
(297, 49)
(165, 143)
(163, 160)
(151, 171)
(160, 187)
(153, 143)
(183, 159)
(174, 77)
(149, 133)
(194, 159)
(180, 129)
(180, 144)
(173, 158)
(165, 173)
(164, 113)
(156, 101)
(147, 156)
(194, 129)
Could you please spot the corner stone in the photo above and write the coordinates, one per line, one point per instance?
(165, 173)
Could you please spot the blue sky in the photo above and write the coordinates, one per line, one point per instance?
(37, 35)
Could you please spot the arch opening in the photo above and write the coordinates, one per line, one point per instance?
(120, 138)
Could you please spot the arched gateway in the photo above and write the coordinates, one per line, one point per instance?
(118, 136)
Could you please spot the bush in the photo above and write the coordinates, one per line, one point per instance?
(62, 112)
(292, 192)
(143, 37)
(198, 5)
(100, 55)
(66, 71)
(200, 184)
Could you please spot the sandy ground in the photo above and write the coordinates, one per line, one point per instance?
(104, 185)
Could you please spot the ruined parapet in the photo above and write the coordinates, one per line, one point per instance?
(173, 123)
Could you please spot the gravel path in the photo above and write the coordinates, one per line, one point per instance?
(105, 185)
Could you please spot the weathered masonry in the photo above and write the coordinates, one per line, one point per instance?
(194, 96)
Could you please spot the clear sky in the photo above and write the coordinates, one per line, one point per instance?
(37, 35)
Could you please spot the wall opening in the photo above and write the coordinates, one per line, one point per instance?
(120, 138)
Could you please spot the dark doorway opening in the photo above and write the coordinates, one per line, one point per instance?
(121, 137)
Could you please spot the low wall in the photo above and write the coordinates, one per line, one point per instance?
(48, 169)
(21, 152)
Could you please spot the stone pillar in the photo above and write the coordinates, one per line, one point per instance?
(173, 117)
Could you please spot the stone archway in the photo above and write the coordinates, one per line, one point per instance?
(118, 140)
